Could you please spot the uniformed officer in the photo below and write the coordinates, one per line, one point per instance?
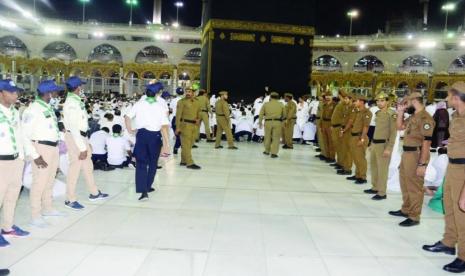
(152, 127)
(346, 135)
(417, 141)
(187, 120)
(11, 159)
(272, 112)
(454, 195)
(319, 134)
(173, 105)
(290, 117)
(223, 121)
(205, 110)
(359, 140)
(75, 119)
(326, 114)
(381, 148)
(40, 128)
(337, 119)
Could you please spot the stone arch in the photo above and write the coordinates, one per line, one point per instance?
(12, 46)
(327, 63)
(440, 90)
(184, 77)
(165, 76)
(457, 66)
(105, 53)
(151, 54)
(149, 75)
(193, 55)
(60, 50)
(416, 64)
(369, 63)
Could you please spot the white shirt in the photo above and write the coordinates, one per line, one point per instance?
(314, 107)
(151, 116)
(174, 104)
(259, 131)
(97, 141)
(39, 123)
(10, 144)
(244, 123)
(267, 99)
(257, 105)
(117, 148)
(373, 111)
(431, 109)
(75, 119)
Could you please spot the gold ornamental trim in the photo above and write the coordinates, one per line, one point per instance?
(258, 27)
(242, 37)
(282, 40)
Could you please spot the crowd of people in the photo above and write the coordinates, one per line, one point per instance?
(71, 133)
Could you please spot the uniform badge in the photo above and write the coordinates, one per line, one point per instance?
(427, 126)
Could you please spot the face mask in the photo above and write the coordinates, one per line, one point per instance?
(410, 110)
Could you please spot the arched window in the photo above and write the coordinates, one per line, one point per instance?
(440, 91)
(151, 54)
(60, 50)
(369, 64)
(416, 64)
(193, 55)
(105, 53)
(327, 63)
(13, 46)
(458, 65)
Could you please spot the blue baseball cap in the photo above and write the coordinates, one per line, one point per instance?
(49, 86)
(74, 82)
(9, 85)
(155, 87)
(165, 94)
(179, 91)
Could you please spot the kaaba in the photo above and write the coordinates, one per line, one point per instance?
(250, 44)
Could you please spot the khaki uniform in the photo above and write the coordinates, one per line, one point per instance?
(205, 110)
(272, 112)
(455, 218)
(223, 123)
(349, 117)
(76, 123)
(187, 116)
(40, 128)
(318, 121)
(11, 171)
(290, 115)
(383, 139)
(326, 114)
(362, 120)
(337, 120)
(419, 127)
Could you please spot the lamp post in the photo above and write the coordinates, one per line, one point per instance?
(84, 2)
(351, 14)
(448, 7)
(131, 4)
(178, 5)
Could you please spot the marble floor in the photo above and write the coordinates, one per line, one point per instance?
(242, 214)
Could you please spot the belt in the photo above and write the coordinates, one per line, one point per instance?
(327, 120)
(459, 161)
(47, 143)
(376, 141)
(356, 134)
(337, 125)
(318, 118)
(407, 148)
(274, 120)
(189, 121)
(10, 157)
(219, 114)
(204, 110)
(293, 118)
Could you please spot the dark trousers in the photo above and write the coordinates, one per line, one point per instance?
(122, 165)
(99, 157)
(177, 144)
(146, 151)
(242, 133)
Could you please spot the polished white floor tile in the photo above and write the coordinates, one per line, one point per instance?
(173, 263)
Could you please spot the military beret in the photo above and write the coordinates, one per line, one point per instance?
(223, 93)
(459, 87)
(274, 94)
(414, 95)
(288, 95)
(381, 96)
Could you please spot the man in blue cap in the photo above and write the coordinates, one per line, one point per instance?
(173, 105)
(41, 133)
(11, 160)
(75, 119)
(151, 130)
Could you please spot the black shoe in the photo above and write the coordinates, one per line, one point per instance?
(342, 172)
(182, 164)
(360, 181)
(144, 197)
(159, 167)
(319, 156)
(194, 167)
(398, 214)
(370, 192)
(285, 147)
(266, 153)
(198, 140)
(4, 272)
(338, 167)
(318, 150)
(351, 177)
(233, 148)
(330, 160)
(194, 146)
(274, 156)
(378, 197)
(409, 222)
(334, 164)
(219, 147)
(211, 141)
(439, 247)
(151, 190)
(175, 151)
(457, 266)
